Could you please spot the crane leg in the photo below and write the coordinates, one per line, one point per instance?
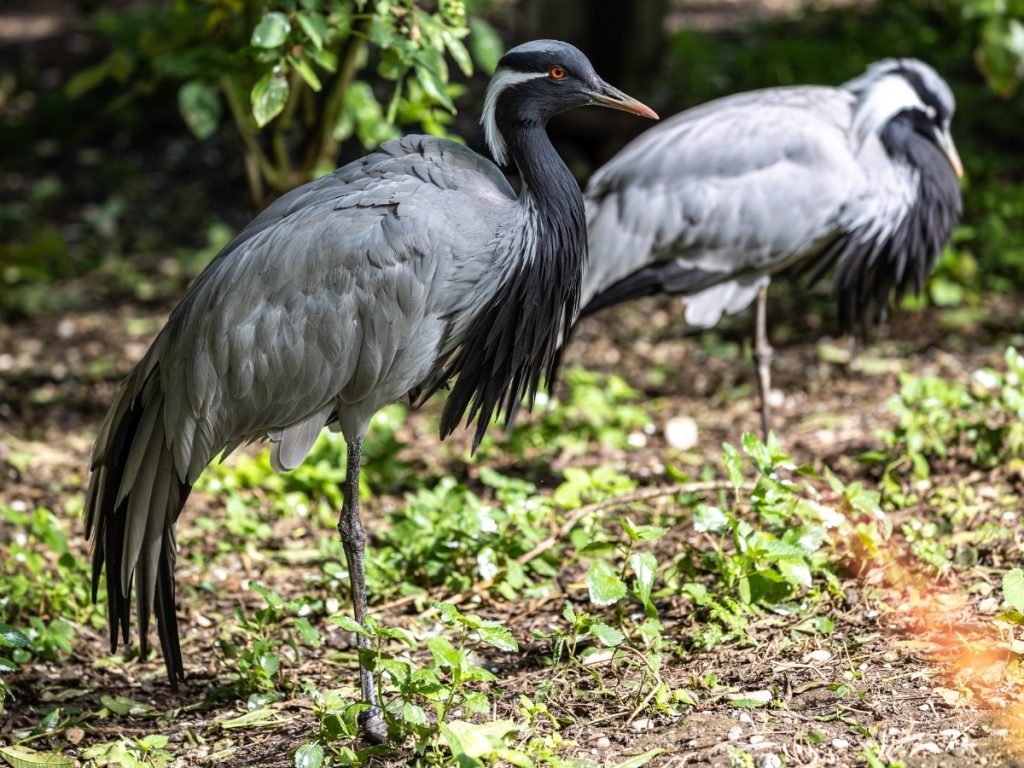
(353, 538)
(763, 360)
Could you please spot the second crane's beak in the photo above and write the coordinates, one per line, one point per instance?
(945, 142)
(608, 96)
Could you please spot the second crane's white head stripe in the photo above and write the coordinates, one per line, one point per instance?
(503, 78)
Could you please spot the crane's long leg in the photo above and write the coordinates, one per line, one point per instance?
(763, 360)
(353, 538)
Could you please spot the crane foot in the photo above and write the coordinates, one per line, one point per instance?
(372, 726)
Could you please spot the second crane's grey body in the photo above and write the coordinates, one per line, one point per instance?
(713, 201)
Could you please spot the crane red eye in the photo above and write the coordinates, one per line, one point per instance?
(557, 72)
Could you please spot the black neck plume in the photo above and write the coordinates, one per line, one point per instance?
(513, 343)
(871, 271)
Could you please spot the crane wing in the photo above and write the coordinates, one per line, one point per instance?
(729, 191)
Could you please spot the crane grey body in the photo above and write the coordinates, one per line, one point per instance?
(416, 265)
(715, 200)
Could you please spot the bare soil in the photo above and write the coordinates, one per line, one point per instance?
(915, 664)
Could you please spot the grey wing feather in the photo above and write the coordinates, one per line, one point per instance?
(733, 188)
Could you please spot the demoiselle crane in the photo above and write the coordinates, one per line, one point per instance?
(390, 277)
(712, 202)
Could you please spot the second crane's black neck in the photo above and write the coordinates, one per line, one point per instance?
(871, 270)
(513, 344)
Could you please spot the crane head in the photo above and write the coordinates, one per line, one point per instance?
(537, 80)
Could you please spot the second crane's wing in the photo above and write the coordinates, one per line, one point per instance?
(330, 301)
(721, 195)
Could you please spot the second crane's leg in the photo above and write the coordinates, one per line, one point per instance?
(763, 360)
(353, 538)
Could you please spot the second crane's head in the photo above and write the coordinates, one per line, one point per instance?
(904, 97)
(537, 80)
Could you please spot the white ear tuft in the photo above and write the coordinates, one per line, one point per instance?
(502, 80)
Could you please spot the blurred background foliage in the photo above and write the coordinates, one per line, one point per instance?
(132, 128)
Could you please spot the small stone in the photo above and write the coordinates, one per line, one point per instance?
(768, 760)
(603, 743)
(643, 724)
(74, 735)
(636, 440)
(681, 432)
(734, 733)
(840, 744)
(988, 605)
(776, 398)
(66, 328)
(745, 718)
(817, 657)
(756, 738)
(928, 746)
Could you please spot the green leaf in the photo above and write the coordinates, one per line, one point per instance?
(708, 519)
(604, 584)
(122, 705)
(349, 624)
(485, 44)
(272, 30)
(307, 632)
(13, 638)
(1013, 588)
(645, 566)
(733, 466)
(609, 636)
(309, 756)
(269, 96)
(795, 571)
(306, 72)
(314, 26)
(498, 636)
(640, 760)
(434, 86)
(199, 104)
(459, 53)
(24, 757)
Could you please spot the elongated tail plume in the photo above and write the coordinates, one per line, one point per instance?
(134, 498)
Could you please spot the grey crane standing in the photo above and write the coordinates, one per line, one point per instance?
(416, 265)
(715, 200)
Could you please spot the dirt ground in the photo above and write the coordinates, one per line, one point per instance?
(915, 664)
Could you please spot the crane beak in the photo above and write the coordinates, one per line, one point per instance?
(613, 98)
(945, 142)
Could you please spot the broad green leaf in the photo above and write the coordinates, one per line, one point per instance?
(476, 740)
(498, 636)
(707, 519)
(199, 104)
(25, 757)
(1013, 588)
(485, 43)
(609, 636)
(433, 86)
(269, 96)
(121, 705)
(306, 72)
(349, 624)
(459, 53)
(413, 714)
(272, 30)
(308, 634)
(309, 756)
(733, 466)
(604, 584)
(314, 26)
(645, 566)
(795, 571)
(640, 760)
(13, 638)
(6, 665)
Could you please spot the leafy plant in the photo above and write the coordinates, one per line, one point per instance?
(253, 648)
(979, 422)
(294, 74)
(145, 752)
(10, 638)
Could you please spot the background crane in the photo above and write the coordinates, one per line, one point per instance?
(714, 201)
(397, 273)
